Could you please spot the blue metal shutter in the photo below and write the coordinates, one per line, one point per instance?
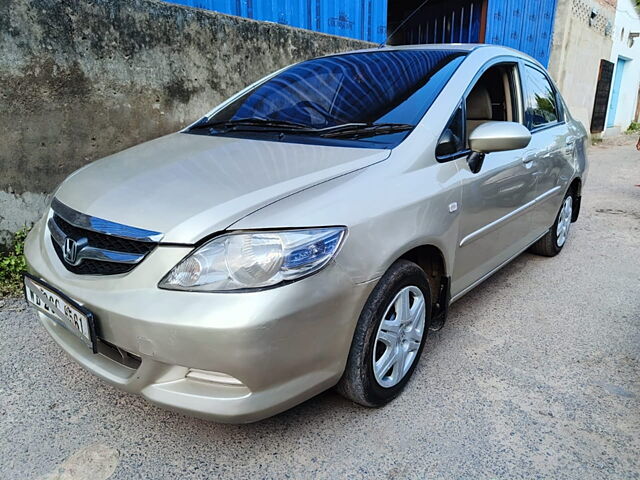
(360, 19)
(525, 26)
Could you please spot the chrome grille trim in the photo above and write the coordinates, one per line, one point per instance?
(107, 227)
(57, 235)
(92, 253)
(89, 245)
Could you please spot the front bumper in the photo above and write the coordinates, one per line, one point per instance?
(284, 344)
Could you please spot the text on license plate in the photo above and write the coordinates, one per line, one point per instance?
(64, 312)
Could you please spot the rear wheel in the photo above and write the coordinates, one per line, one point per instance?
(553, 241)
(389, 337)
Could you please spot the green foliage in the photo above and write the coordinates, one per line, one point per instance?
(12, 265)
(635, 126)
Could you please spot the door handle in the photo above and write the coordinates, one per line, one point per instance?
(528, 158)
(569, 145)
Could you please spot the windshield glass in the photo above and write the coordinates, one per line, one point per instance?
(367, 88)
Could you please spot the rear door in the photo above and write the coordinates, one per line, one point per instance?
(551, 146)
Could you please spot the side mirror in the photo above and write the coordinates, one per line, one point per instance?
(499, 137)
(495, 137)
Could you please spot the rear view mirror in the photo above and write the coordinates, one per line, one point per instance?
(499, 137)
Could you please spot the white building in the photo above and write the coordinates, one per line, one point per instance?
(625, 54)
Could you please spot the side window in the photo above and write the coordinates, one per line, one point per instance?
(452, 139)
(493, 98)
(541, 104)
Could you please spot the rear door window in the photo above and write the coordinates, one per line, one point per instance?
(541, 101)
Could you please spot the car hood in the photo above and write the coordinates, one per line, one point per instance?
(188, 186)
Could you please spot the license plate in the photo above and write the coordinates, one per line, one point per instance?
(60, 308)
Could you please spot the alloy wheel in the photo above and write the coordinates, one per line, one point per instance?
(399, 337)
(564, 221)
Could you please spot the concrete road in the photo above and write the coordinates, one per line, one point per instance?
(536, 375)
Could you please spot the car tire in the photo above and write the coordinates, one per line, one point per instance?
(365, 380)
(555, 239)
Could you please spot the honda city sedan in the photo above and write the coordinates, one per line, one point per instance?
(310, 231)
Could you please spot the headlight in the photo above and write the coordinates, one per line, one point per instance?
(240, 261)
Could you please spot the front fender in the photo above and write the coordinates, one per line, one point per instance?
(387, 213)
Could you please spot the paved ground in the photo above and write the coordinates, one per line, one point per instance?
(536, 375)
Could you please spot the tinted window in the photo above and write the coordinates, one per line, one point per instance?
(541, 103)
(371, 87)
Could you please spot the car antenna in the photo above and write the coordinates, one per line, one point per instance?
(384, 42)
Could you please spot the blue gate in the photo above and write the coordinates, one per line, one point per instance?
(525, 26)
(360, 19)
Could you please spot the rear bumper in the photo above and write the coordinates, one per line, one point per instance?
(283, 345)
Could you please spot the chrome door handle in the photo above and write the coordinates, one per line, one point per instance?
(528, 158)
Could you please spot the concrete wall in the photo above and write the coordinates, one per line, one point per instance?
(626, 23)
(579, 43)
(82, 79)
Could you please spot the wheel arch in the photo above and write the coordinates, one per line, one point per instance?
(575, 188)
(432, 261)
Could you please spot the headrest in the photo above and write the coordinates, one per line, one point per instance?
(479, 104)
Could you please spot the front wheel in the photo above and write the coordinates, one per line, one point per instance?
(551, 244)
(389, 337)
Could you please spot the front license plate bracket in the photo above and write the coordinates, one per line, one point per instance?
(63, 311)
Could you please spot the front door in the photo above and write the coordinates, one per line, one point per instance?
(496, 214)
(494, 222)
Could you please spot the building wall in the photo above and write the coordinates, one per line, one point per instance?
(80, 80)
(626, 23)
(579, 43)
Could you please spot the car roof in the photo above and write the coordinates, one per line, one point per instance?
(467, 47)
(462, 47)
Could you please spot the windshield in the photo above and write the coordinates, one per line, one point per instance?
(359, 90)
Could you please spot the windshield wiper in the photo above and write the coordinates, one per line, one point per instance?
(345, 130)
(364, 129)
(251, 123)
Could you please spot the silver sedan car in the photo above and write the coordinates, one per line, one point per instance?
(310, 231)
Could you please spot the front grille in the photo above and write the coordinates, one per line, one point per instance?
(93, 267)
(104, 241)
(101, 241)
